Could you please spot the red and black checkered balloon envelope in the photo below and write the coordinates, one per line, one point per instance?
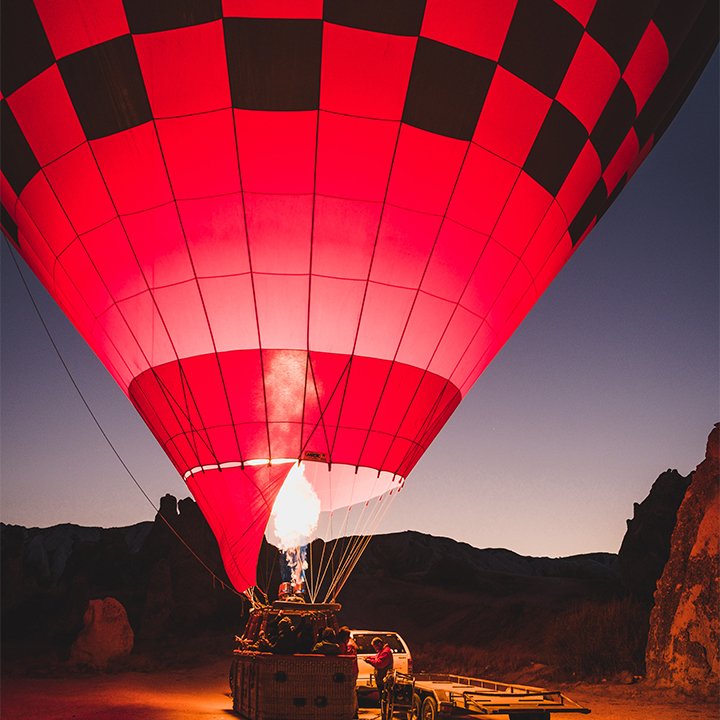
(300, 230)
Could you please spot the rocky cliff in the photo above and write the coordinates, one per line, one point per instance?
(646, 545)
(682, 649)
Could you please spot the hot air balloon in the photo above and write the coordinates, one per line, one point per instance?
(298, 232)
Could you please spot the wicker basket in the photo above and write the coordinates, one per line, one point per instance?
(294, 687)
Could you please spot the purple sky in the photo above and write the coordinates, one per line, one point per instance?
(611, 379)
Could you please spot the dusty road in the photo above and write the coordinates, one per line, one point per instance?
(201, 694)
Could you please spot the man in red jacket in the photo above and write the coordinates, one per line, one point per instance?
(382, 661)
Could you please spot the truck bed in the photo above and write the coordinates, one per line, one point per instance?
(461, 696)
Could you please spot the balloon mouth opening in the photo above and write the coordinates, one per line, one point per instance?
(237, 464)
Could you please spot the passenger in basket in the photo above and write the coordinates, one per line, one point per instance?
(327, 645)
(349, 647)
(382, 661)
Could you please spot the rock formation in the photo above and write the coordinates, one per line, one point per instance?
(106, 635)
(682, 649)
(646, 545)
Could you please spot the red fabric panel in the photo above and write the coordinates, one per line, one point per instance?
(282, 309)
(589, 82)
(140, 313)
(279, 228)
(356, 222)
(558, 257)
(425, 169)
(214, 229)
(41, 256)
(80, 189)
(310, 9)
(622, 161)
(157, 242)
(380, 330)
(200, 154)
(237, 503)
(197, 55)
(503, 130)
(483, 190)
(478, 26)
(132, 165)
(231, 311)
(94, 292)
(74, 25)
(473, 338)
(425, 329)
(488, 279)
(112, 255)
(525, 208)
(551, 230)
(453, 259)
(647, 65)
(276, 150)
(507, 300)
(580, 181)
(354, 156)
(49, 135)
(40, 208)
(355, 80)
(403, 247)
(335, 306)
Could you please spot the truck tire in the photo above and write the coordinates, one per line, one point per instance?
(429, 709)
(415, 711)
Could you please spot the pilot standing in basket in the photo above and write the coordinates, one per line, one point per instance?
(382, 661)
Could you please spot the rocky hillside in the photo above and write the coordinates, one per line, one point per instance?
(461, 608)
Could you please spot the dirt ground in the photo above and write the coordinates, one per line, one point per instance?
(202, 694)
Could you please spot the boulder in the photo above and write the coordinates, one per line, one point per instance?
(106, 635)
(682, 649)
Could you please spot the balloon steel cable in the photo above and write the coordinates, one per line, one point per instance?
(107, 439)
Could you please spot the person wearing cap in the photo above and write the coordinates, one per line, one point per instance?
(382, 661)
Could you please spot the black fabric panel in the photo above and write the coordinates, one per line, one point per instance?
(274, 64)
(146, 16)
(540, 44)
(9, 226)
(397, 17)
(675, 20)
(591, 209)
(447, 89)
(680, 78)
(614, 123)
(106, 87)
(618, 26)
(18, 160)
(556, 148)
(24, 48)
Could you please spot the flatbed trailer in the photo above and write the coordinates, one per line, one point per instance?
(436, 696)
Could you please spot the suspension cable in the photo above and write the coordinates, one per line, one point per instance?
(247, 594)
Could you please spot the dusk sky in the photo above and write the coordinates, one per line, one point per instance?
(611, 379)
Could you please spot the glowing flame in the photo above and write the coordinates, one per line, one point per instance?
(294, 519)
(296, 511)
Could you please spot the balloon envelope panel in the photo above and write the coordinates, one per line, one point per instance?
(302, 230)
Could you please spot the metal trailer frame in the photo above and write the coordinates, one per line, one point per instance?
(432, 696)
